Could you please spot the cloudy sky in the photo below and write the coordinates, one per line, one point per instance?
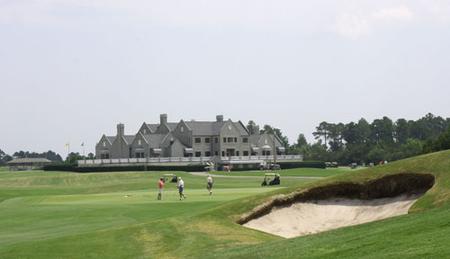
(71, 69)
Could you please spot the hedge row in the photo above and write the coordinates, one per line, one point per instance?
(304, 164)
(74, 168)
(186, 168)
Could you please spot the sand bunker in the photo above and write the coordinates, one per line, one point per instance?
(301, 219)
(338, 204)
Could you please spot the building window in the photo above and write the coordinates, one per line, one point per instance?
(245, 153)
(198, 140)
(104, 156)
(139, 142)
(207, 153)
(140, 155)
(224, 140)
(235, 140)
(223, 153)
(245, 140)
(182, 129)
(198, 154)
(104, 143)
(230, 140)
(237, 153)
(216, 153)
(207, 140)
(216, 140)
(145, 131)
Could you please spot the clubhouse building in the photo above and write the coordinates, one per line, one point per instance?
(189, 141)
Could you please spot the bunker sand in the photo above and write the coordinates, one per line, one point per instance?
(304, 218)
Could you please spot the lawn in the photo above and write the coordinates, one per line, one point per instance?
(57, 214)
(116, 215)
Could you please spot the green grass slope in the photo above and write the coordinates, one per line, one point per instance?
(424, 233)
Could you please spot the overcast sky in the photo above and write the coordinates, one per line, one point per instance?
(71, 69)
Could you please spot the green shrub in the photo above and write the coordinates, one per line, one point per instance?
(74, 168)
(304, 164)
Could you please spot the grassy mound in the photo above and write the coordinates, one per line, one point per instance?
(424, 232)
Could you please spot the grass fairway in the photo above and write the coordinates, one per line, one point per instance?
(115, 215)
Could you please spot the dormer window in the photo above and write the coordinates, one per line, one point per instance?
(139, 142)
(104, 143)
(145, 131)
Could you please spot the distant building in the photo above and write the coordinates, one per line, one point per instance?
(219, 138)
(27, 163)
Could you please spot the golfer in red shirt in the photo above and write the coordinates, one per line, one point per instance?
(160, 188)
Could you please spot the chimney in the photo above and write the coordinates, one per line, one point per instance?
(163, 119)
(120, 129)
(219, 118)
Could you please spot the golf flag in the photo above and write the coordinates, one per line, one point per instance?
(67, 145)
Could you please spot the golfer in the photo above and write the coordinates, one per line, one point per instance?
(180, 186)
(209, 184)
(160, 188)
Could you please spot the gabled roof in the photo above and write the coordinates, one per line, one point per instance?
(167, 140)
(206, 128)
(242, 129)
(254, 139)
(110, 139)
(154, 126)
(154, 140)
(129, 138)
(211, 128)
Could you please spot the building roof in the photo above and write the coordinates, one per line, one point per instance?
(205, 128)
(211, 128)
(28, 161)
(154, 140)
(111, 139)
(129, 138)
(154, 126)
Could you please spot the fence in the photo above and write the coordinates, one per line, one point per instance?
(197, 160)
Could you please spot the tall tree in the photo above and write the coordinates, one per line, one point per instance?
(277, 132)
(252, 127)
(336, 136)
(322, 131)
(401, 131)
(301, 141)
(382, 131)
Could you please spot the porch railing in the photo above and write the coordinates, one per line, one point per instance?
(203, 159)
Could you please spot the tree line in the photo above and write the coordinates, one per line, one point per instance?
(50, 155)
(382, 139)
